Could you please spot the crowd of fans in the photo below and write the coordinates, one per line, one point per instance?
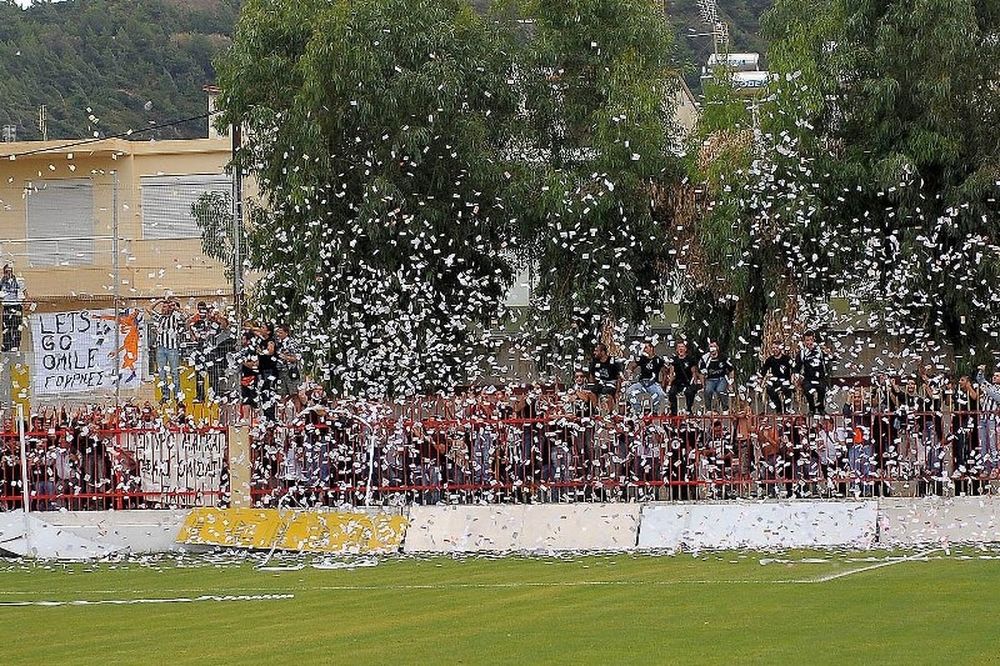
(76, 458)
(644, 427)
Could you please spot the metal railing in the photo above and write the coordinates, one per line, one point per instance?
(343, 458)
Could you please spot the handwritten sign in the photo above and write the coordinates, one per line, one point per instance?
(186, 467)
(79, 352)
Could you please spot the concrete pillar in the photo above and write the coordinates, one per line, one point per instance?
(239, 467)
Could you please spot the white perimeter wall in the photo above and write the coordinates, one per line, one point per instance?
(771, 525)
(758, 525)
(539, 527)
(939, 520)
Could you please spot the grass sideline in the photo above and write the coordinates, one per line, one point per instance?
(848, 607)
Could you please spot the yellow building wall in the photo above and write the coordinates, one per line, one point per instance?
(148, 269)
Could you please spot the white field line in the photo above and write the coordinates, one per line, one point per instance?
(872, 567)
(923, 556)
(454, 586)
(132, 602)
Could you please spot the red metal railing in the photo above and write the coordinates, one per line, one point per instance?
(566, 458)
(97, 469)
(343, 458)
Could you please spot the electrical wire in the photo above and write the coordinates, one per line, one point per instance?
(120, 135)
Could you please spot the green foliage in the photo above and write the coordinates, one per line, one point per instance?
(904, 99)
(374, 130)
(98, 64)
(598, 82)
(214, 214)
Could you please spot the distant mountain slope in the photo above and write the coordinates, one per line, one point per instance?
(133, 63)
(108, 66)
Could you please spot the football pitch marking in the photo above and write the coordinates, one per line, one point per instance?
(132, 602)
(230, 593)
(880, 565)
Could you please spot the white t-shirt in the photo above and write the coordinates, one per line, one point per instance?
(10, 290)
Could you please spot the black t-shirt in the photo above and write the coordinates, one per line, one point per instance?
(715, 368)
(813, 365)
(267, 363)
(248, 374)
(605, 373)
(683, 369)
(649, 366)
(779, 367)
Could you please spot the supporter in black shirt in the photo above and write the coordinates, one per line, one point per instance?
(650, 367)
(267, 355)
(777, 375)
(605, 373)
(249, 369)
(813, 368)
(718, 372)
(684, 378)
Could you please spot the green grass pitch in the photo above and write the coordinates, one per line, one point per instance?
(800, 607)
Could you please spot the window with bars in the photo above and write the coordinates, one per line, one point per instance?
(167, 202)
(60, 222)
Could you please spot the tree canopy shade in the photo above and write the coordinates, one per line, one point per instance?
(903, 99)
(374, 130)
(413, 154)
(599, 84)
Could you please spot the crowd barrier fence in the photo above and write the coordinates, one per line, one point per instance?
(346, 460)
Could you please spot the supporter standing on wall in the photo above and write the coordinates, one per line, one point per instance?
(249, 369)
(12, 294)
(206, 327)
(605, 375)
(169, 321)
(989, 404)
(289, 364)
(683, 377)
(267, 367)
(776, 374)
(649, 382)
(718, 372)
(813, 370)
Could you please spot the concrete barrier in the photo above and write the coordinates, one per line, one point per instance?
(937, 520)
(541, 527)
(358, 531)
(89, 534)
(892, 522)
(761, 525)
(134, 531)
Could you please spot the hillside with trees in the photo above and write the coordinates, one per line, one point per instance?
(103, 67)
(110, 66)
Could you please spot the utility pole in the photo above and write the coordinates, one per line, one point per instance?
(118, 281)
(236, 133)
(43, 113)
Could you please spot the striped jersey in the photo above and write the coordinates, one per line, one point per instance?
(168, 330)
